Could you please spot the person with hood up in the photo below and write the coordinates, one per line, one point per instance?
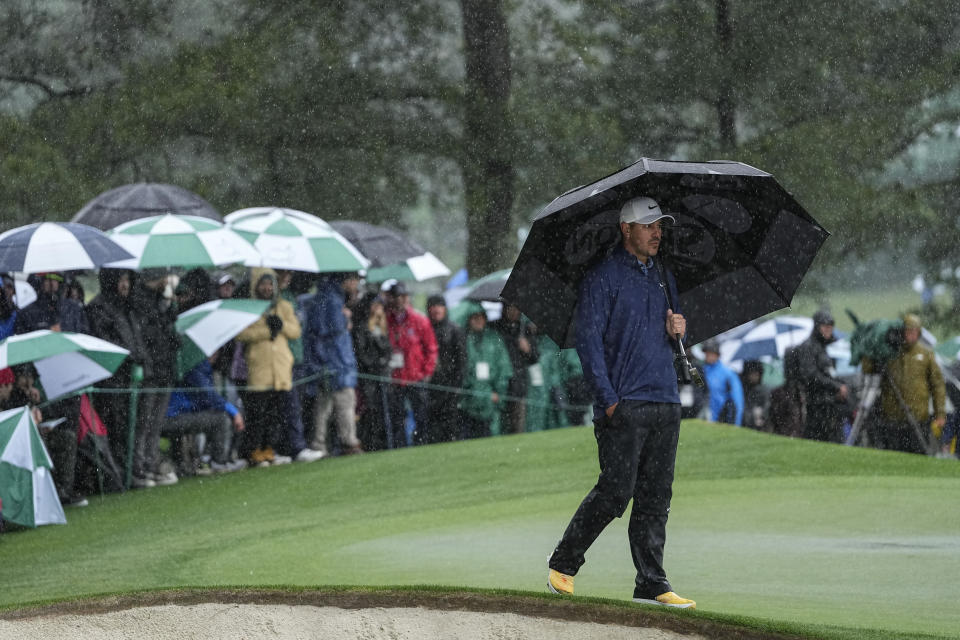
(328, 349)
(823, 393)
(486, 377)
(521, 343)
(371, 345)
(52, 309)
(269, 361)
(756, 396)
(112, 318)
(451, 363)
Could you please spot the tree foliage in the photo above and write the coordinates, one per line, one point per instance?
(469, 114)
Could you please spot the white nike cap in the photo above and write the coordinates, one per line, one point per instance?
(643, 210)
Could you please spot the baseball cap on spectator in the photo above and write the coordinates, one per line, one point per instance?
(710, 346)
(399, 289)
(823, 317)
(912, 321)
(436, 300)
(386, 284)
(6, 376)
(222, 277)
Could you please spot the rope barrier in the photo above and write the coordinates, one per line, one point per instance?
(460, 391)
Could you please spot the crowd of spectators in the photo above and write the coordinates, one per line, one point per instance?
(331, 351)
(328, 352)
(908, 411)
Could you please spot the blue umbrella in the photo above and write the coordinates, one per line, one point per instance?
(769, 339)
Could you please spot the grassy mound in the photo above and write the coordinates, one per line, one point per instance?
(766, 532)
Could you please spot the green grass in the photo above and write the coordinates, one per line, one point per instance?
(867, 304)
(808, 537)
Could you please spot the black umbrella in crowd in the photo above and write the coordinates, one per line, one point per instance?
(391, 253)
(739, 248)
(142, 200)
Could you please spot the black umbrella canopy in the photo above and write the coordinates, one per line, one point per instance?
(739, 248)
(142, 200)
(381, 245)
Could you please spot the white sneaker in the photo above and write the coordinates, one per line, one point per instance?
(228, 467)
(279, 459)
(310, 455)
(164, 479)
(142, 482)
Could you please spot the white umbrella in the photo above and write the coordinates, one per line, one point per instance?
(291, 239)
(26, 486)
(179, 241)
(56, 246)
(64, 361)
(211, 325)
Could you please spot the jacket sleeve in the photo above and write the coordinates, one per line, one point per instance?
(938, 388)
(256, 332)
(291, 325)
(592, 315)
(811, 375)
(504, 366)
(428, 342)
(736, 394)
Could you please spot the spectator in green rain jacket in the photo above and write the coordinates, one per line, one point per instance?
(545, 386)
(486, 377)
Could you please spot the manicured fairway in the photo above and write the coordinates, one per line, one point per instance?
(762, 526)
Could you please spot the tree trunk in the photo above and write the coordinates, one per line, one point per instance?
(488, 137)
(726, 109)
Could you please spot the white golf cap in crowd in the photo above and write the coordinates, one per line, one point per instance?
(642, 210)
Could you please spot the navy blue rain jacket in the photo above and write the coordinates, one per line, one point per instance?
(327, 344)
(620, 333)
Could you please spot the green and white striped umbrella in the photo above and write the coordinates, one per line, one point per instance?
(211, 325)
(26, 485)
(65, 361)
(179, 241)
(291, 239)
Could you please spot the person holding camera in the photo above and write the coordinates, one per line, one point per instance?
(824, 394)
(913, 380)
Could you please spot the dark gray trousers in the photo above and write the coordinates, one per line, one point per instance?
(637, 448)
(216, 425)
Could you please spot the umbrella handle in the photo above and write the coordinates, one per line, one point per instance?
(688, 373)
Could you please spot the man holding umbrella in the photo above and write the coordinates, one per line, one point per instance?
(625, 329)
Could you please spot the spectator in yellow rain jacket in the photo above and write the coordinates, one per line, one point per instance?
(270, 374)
(917, 376)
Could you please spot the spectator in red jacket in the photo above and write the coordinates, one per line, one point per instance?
(412, 361)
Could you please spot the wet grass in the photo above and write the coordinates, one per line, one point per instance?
(795, 535)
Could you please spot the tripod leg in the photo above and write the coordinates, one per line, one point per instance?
(869, 395)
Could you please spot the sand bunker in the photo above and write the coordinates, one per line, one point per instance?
(214, 621)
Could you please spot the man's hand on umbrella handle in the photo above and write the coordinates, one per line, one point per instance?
(611, 409)
(676, 324)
